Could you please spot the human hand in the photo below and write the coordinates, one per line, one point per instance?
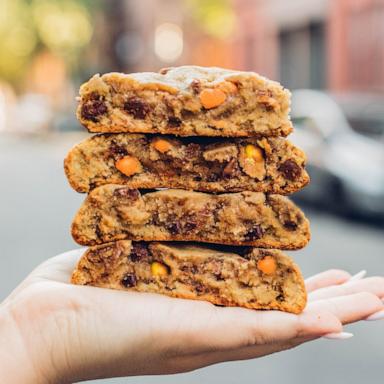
(55, 332)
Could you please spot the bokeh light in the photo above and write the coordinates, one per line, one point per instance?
(17, 37)
(215, 17)
(168, 42)
(62, 26)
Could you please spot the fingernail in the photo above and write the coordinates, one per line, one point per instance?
(358, 275)
(338, 336)
(376, 316)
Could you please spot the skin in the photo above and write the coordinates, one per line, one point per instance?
(55, 332)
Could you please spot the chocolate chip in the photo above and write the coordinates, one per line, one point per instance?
(199, 287)
(216, 269)
(218, 276)
(245, 253)
(116, 150)
(139, 251)
(93, 107)
(136, 107)
(174, 121)
(280, 297)
(290, 225)
(196, 86)
(187, 115)
(255, 233)
(190, 269)
(290, 170)
(131, 194)
(226, 113)
(175, 228)
(98, 232)
(230, 169)
(213, 177)
(192, 150)
(129, 280)
(190, 226)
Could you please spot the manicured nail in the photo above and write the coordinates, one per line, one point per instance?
(338, 336)
(376, 316)
(358, 276)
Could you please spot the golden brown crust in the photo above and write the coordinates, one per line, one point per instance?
(114, 212)
(220, 276)
(214, 165)
(170, 102)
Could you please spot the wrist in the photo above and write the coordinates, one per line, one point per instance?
(16, 365)
(24, 356)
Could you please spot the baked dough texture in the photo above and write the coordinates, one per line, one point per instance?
(114, 212)
(186, 101)
(272, 165)
(220, 276)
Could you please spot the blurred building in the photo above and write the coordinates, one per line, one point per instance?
(334, 44)
(173, 32)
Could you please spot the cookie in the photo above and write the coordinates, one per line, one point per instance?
(272, 165)
(253, 278)
(114, 212)
(186, 101)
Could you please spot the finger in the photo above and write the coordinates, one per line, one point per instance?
(374, 285)
(58, 268)
(264, 327)
(327, 278)
(350, 308)
(347, 309)
(189, 363)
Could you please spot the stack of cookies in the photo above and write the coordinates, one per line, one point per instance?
(190, 155)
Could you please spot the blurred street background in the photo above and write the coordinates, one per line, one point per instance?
(330, 53)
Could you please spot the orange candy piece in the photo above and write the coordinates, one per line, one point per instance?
(212, 97)
(128, 165)
(267, 265)
(162, 145)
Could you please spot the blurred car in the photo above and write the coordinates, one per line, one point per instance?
(346, 168)
(364, 112)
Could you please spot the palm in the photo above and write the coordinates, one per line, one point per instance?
(114, 333)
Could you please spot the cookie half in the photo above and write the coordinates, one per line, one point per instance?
(271, 165)
(186, 101)
(253, 278)
(114, 212)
